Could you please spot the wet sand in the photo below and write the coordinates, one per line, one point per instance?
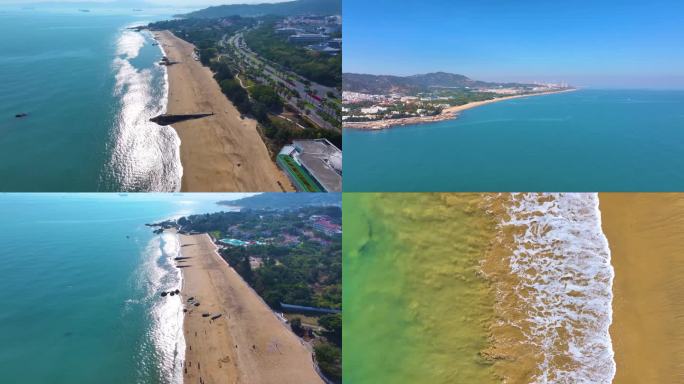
(219, 153)
(646, 236)
(447, 114)
(247, 344)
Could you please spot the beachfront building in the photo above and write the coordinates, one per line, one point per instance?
(312, 165)
(325, 225)
(308, 38)
(288, 31)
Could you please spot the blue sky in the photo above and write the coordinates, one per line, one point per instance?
(599, 43)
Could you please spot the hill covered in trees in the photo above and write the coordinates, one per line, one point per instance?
(410, 85)
(282, 201)
(288, 8)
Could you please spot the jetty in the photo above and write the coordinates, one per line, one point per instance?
(168, 119)
(165, 61)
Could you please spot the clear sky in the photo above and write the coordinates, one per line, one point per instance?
(599, 43)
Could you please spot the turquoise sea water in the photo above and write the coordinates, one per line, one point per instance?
(80, 276)
(589, 140)
(89, 87)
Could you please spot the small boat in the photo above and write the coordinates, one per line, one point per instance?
(21, 115)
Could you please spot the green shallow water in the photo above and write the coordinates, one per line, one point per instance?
(421, 309)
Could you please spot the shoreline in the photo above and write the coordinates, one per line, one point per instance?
(646, 239)
(446, 114)
(164, 109)
(247, 343)
(541, 245)
(222, 152)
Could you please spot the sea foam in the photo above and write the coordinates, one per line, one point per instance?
(144, 156)
(166, 329)
(560, 261)
(129, 44)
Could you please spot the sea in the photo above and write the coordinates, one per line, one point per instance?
(81, 276)
(587, 140)
(89, 86)
(477, 288)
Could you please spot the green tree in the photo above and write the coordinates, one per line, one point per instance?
(329, 359)
(296, 325)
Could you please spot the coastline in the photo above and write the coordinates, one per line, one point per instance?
(447, 114)
(644, 231)
(222, 152)
(247, 344)
(542, 245)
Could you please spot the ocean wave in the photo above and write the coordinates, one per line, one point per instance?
(165, 341)
(144, 156)
(129, 44)
(559, 294)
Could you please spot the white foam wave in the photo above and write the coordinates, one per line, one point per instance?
(129, 44)
(144, 156)
(562, 262)
(166, 331)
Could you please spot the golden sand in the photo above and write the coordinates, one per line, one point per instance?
(247, 344)
(646, 236)
(219, 153)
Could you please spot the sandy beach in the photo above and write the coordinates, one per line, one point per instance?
(223, 152)
(447, 114)
(247, 344)
(646, 236)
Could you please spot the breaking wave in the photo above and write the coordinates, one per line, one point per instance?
(554, 295)
(143, 155)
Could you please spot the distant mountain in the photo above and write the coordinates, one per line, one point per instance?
(289, 8)
(407, 85)
(286, 200)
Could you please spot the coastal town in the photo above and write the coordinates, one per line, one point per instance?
(422, 103)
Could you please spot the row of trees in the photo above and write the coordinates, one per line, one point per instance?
(262, 102)
(319, 67)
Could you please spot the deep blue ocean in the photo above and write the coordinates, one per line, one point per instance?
(80, 277)
(588, 140)
(89, 87)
